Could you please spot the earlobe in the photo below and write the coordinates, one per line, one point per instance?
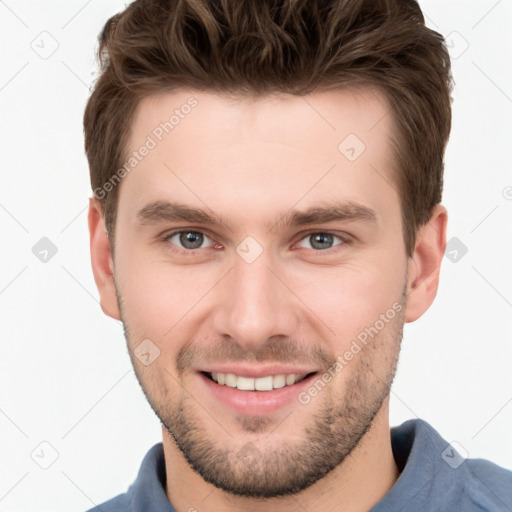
(101, 260)
(425, 264)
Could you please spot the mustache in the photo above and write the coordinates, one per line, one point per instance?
(277, 349)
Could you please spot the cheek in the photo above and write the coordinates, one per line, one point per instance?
(348, 298)
(162, 301)
(158, 297)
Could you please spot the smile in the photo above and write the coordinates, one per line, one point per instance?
(257, 395)
(266, 383)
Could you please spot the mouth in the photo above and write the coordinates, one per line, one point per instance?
(256, 396)
(265, 383)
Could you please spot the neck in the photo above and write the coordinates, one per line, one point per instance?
(356, 485)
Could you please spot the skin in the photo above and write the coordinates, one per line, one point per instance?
(252, 161)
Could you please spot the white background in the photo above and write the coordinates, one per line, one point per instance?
(66, 377)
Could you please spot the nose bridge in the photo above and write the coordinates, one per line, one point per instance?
(254, 304)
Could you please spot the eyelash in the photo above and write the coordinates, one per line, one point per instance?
(345, 239)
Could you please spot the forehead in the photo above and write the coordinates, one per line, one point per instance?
(318, 115)
(241, 153)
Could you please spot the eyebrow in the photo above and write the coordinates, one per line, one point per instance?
(166, 211)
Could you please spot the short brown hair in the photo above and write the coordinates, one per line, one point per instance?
(257, 47)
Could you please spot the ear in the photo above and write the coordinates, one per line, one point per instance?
(425, 264)
(101, 259)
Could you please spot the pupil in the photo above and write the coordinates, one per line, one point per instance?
(320, 239)
(191, 240)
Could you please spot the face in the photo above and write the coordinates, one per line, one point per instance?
(259, 245)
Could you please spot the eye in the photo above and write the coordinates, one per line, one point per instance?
(187, 239)
(190, 240)
(321, 240)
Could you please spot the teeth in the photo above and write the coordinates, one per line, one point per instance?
(260, 384)
(245, 384)
(231, 380)
(290, 379)
(264, 383)
(280, 381)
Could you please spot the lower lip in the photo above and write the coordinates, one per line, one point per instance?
(256, 402)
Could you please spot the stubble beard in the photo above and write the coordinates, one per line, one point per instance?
(264, 470)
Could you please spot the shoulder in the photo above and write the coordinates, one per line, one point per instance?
(435, 476)
(147, 492)
(120, 503)
(479, 482)
(486, 484)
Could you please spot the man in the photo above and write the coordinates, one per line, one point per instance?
(267, 181)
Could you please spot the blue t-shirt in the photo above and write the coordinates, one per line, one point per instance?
(434, 477)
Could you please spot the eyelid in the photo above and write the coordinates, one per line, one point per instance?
(344, 237)
(169, 234)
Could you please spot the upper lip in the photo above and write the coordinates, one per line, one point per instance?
(251, 371)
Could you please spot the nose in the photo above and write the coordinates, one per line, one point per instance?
(255, 303)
